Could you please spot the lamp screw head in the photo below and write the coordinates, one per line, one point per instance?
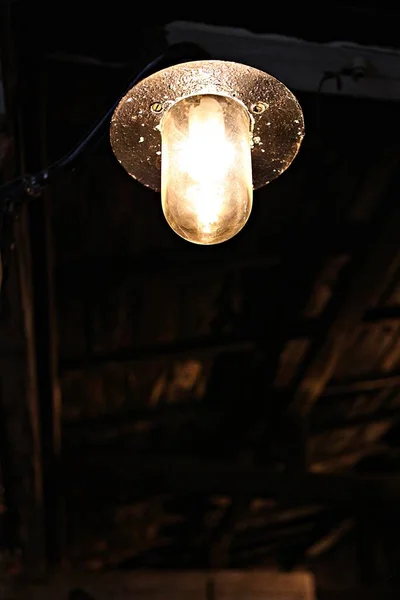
(259, 107)
(156, 107)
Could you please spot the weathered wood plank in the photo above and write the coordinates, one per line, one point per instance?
(113, 471)
(202, 346)
(18, 381)
(378, 382)
(177, 585)
(367, 275)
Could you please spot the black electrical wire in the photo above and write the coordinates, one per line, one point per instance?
(15, 192)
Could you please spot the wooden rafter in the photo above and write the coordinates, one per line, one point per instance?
(174, 474)
(18, 377)
(367, 276)
(368, 384)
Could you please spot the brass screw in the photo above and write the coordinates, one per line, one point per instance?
(156, 107)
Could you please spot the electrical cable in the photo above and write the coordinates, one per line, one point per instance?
(356, 72)
(15, 192)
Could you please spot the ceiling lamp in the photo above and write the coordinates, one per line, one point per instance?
(206, 133)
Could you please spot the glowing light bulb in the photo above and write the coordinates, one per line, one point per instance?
(206, 173)
(206, 134)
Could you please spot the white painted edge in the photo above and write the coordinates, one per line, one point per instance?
(299, 64)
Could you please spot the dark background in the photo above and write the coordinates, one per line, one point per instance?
(168, 406)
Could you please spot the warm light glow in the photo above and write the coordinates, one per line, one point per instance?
(226, 129)
(206, 177)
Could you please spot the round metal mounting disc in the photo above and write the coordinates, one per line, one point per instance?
(278, 124)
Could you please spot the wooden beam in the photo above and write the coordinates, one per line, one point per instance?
(360, 593)
(18, 378)
(299, 63)
(383, 315)
(224, 533)
(328, 541)
(40, 219)
(369, 384)
(19, 399)
(172, 266)
(173, 585)
(380, 416)
(203, 346)
(107, 427)
(372, 560)
(114, 471)
(365, 279)
(144, 267)
(6, 147)
(206, 346)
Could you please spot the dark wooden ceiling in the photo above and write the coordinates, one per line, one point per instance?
(227, 406)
